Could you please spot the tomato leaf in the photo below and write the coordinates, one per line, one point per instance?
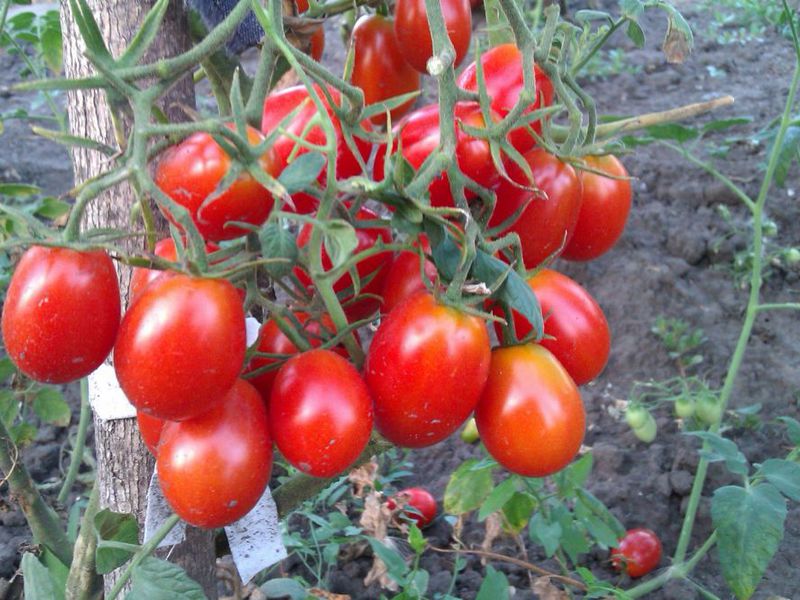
(599, 510)
(517, 511)
(340, 241)
(722, 449)
(302, 172)
(114, 527)
(395, 564)
(7, 369)
(635, 34)
(678, 41)
(672, 131)
(9, 407)
(546, 533)
(18, 190)
(23, 434)
(515, 291)
(38, 582)
(50, 406)
(446, 254)
(592, 15)
(50, 45)
(283, 587)
(277, 242)
(155, 579)
(495, 585)
(749, 524)
(416, 540)
(721, 124)
(787, 154)
(784, 475)
(498, 498)
(792, 429)
(468, 487)
(50, 208)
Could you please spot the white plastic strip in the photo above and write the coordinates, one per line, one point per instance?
(156, 514)
(106, 397)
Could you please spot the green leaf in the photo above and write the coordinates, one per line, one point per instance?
(340, 241)
(722, 449)
(787, 154)
(155, 579)
(39, 585)
(631, 8)
(792, 429)
(277, 242)
(672, 131)
(721, 124)
(749, 524)
(635, 34)
(678, 41)
(498, 498)
(302, 172)
(546, 533)
(573, 536)
(282, 587)
(50, 208)
(494, 586)
(23, 434)
(395, 565)
(444, 251)
(517, 511)
(600, 510)
(148, 30)
(7, 369)
(514, 291)
(50, 45)
(116, 527)
(57, 570)
(592, 15)
(784, 475)
(468, 487)
(9, 407)
(50, 406)
(416, 540)
(18, 190)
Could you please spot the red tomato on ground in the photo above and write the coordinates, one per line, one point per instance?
(418, 503)
(639, 552)
(320, 413)
(426, 368)
(214, 468)
(190, 172)
(379, 68)
(418, 135)
(371, 271)
(582, 337)
(150, 429)
(61, 313)
(271, 340)
(502, 74)
(404, 279)
(604, 209)
(181, 346)
(546, 222)
(280, 105)
(414, 34)
(530, 415)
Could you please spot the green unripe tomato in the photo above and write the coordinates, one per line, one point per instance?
(684, 407)
(636, 415)
(792, 256)
(709, 410)
(470, 432)
(647, 432)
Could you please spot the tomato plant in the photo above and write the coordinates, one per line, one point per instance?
(426, 368)
(379, 68)
(547, 223)
(502, 74)
(638, 553)
(530, 416)
(414, 35)
(283, 103)
(214, 468)
(604, 209)
(320, 413)
(371, 270)
(190, 174)
(418, 505)
(181, 346)
(150, 429)
(61, 313)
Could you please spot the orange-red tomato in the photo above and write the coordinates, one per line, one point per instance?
(639, 552)
(419, 505)
(214, 468)
(320, 413)
(150, 429)
(404, 279)
(546, 223)
(604, 209)
(190, 172)
(379, 68)
(414, 34)
(426, 368)
(530, 415)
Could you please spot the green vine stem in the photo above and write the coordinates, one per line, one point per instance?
(83, 582)
(76, 456)
(44, 523)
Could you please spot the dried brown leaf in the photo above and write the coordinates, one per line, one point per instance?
(376, 516)
(494, 529)
(363, 478)
(545, 590)
(326, 595)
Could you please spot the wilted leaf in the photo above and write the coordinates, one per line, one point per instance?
(493, 529)
(545, 590)
(363, 478)
(678, 41)
(468, 487)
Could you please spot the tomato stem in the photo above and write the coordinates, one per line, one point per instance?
(76, 456)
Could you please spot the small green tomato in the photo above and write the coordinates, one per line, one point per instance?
(470, 432)
(709, 410)
(636, 415)
(647, 432)
(684, 407)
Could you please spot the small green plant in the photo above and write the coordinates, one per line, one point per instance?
(745, 21)
(680, 341)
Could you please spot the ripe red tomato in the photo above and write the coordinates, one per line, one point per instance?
(502, 74)
(317, 41)
(414, 34)
(181, 346)
(320, 413)
(404, 279)
(418, 503)
(190, 172)
(214, 468)
(418, 135)
(281, 104)
(61, 313)
(546, 222)
(604, 209)
(150, 429)
(371, 271)
(379, 68)
(639, 552)
(582, 337)
(426, 368)
(141, 277)
(530, 416)
(272, 340)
